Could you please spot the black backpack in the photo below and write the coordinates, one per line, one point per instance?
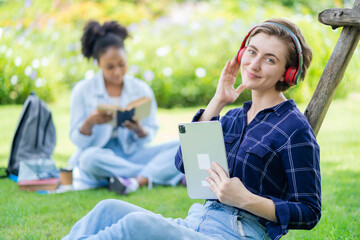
(35, 135)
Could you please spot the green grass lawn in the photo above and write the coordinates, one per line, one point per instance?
(27, 215)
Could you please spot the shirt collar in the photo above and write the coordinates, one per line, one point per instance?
(284, 106)
(100, 84)
(278, 109)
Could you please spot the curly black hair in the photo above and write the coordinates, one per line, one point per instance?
(97, 38)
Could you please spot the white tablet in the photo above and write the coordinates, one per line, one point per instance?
(201, 143)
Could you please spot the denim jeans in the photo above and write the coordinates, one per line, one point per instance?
(156, 163)
(115, 219)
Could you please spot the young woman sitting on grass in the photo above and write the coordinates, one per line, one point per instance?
(273, 156)
(117, 157)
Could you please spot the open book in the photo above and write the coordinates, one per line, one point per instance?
(139, 109)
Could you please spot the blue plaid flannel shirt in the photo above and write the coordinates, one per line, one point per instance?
(276, 156)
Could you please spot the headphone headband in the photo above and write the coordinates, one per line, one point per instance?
(291, 77)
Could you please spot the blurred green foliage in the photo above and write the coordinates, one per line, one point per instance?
(178, 47)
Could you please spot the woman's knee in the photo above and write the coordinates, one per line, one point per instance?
(108, 204)
(154, 225)
(117, 208)
(141, 220)
(90, 158)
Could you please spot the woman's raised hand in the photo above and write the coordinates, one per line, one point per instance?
(225, 91)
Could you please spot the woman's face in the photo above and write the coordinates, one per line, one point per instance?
(113, 64)
(263, 63)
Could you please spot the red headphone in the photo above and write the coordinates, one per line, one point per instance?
(292, 75)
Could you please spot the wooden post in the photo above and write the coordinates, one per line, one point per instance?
(333, 72)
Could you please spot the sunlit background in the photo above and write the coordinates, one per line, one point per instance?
(178, 47)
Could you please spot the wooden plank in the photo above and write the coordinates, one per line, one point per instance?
(331, 77)
(338, 17)
(332, 74)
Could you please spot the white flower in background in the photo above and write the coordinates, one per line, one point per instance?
(1, 32)
(237, 25)
(328, 42)
(80, 57)
(144, 22)
(35, 63)
(139, 56)
(27, 44)
(9, 53)
(244, 6)
(188, 32)
(14, 79)
(51, 22)
(89, 73)
(70, 47)
(308, 18)
(18, 61)
(39, 82)
(21, 40)
(203, 8)
(78, 47)
(73, 70)
(133, 69)
(2, 48)
(19, 27)
(73, 59)
(95, 62)
(33, 74)
(27, 3)
(193, 51)
(148, 75)
(44, 62)
(136, 39)
(219, 22)
(63, 62)
(28, 71)
(200, 72)
(55, 36)
(180, 17)
(133, 27)
(195, 26)
(184, 43)
(164, 20)
(167, 71)
(163, 51)
(214, 40)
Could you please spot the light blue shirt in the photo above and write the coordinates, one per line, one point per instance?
(88, 94)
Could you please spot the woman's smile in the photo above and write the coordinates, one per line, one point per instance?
(252, 75)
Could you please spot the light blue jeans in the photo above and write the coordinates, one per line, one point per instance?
(116, 219)
(156, 163)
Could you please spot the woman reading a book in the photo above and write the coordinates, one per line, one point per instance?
(112, 152)
(272, 153)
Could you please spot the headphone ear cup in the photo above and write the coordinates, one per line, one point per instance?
(240, 54)
(290, 76)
